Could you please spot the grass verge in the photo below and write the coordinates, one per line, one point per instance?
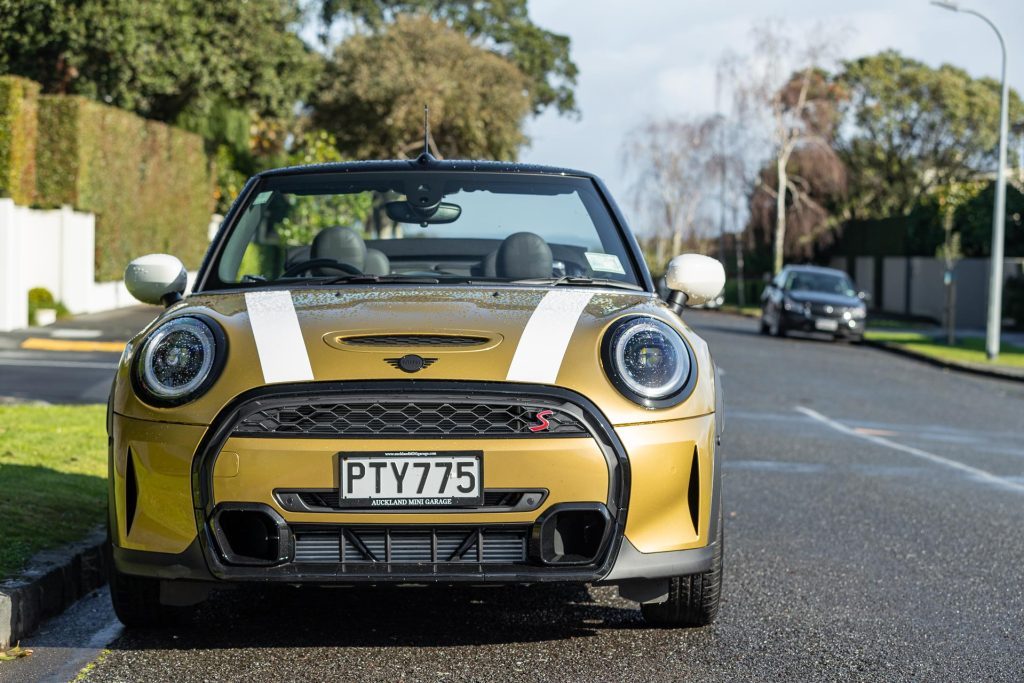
(969, 350)
(53, 469)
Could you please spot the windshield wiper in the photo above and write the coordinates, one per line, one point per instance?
(577, 280)
(366, 278)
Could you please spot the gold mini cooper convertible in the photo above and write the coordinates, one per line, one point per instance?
(418, 372)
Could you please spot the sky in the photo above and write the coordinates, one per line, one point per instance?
(651, 58)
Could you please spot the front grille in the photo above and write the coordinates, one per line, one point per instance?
(392, 340)
(400, 418)
(827, 310)
(405, 546)
(331, 499)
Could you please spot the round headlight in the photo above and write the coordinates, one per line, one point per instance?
(648, 361)
(177, 361)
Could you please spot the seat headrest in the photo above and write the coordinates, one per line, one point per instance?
(341, 244)
(377, 263)
(523, 255)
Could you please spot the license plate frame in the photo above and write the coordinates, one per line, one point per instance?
(826, 325)
(357, 492)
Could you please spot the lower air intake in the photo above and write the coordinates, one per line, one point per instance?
(411, 546)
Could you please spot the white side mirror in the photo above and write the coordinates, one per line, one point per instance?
(156, 279)
(700, 278)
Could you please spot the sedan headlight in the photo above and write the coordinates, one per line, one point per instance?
(179, 361)
(648, 362)
(859, 312)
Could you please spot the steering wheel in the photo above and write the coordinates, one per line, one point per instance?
(310, 264)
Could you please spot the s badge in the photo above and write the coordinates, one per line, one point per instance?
(543, 423)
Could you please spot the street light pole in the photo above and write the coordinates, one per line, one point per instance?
(995, 283)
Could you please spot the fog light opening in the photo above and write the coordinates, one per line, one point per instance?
(249, 537)
(572, 536)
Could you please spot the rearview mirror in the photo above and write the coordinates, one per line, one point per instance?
(700, 278)
(156, 279)
(408, 212)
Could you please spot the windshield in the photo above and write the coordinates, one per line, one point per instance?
(425, 226)
(829, 283)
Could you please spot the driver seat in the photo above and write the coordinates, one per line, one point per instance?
(341, 244)
(523, 255)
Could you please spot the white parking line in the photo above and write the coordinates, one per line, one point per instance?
(73, 333)
(910, 450)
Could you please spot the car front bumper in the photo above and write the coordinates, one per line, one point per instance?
(655, 486)
(851, 328)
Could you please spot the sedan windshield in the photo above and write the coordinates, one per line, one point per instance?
(806, 281)
(426, 226)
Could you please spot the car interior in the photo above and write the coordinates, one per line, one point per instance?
(522, 255)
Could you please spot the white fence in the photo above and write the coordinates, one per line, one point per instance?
(54, 249)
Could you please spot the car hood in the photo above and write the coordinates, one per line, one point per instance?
(824, 298)
(325, 318)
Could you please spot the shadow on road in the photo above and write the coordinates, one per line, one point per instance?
(411, 616)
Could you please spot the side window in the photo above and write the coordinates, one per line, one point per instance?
(780, 279)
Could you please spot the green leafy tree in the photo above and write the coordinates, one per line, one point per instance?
(163, 60)
(502, 26)
(910, 128)
(372, 94)
(307, 215)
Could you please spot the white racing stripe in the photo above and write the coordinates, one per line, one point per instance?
(546, 337)
(279, 343)
(981, 474)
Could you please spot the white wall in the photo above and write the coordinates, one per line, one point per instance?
(54, 249)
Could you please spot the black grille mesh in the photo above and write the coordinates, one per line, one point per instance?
(410, 546)
(407, 418)
(413, 340)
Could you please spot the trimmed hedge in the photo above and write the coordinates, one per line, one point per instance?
(149, 184)
(18, 103)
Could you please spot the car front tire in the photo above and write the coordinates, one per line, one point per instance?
(692, 600)
(136, 601)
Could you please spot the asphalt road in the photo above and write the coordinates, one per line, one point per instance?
(76, 373)
(874, 509)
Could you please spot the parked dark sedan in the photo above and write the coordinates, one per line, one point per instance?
(813, 299)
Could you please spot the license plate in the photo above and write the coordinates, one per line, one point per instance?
(826, 324)
(395, 479)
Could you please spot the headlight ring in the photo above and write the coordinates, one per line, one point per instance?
(179, 361)
(649, 362)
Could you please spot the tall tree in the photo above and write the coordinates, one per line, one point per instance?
(373, 90)
(785, 86)
(911, 128)
(162, 59)
(502, 26)
(815, 186)
(674, 164)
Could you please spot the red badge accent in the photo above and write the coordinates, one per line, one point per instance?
(544, 424)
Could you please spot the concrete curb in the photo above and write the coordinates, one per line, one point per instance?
(53, 581)
(991, 373)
